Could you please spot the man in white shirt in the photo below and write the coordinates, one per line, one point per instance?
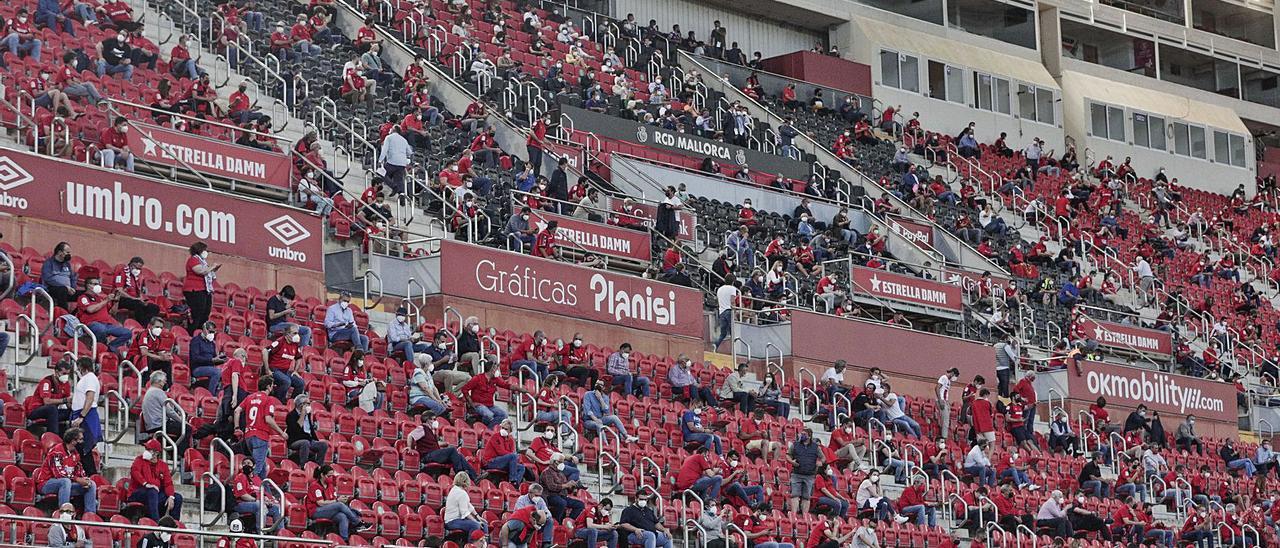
(893, 412)
(1146, 278)
(977, 463)
(944, 398)
(459, 514)
(726, 295)
(833, 379)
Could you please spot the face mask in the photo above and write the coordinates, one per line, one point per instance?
(697, 411)
(626, 355)
(295, 338)
(560, 467)
(642, 503)
(155, 331)
(146, 455)
(67, 515)
(64, 378)
(209, 337)
(359, 363)
(504, 432)
(875, 478)
(165, 536)
(442, 345)
(344, 304)
(203, 254)
(401, 318)
(1080, 499)
(524, 217)
(942, 446)
(134, 271)
(475, 329)
(96, 289)
(577, 343)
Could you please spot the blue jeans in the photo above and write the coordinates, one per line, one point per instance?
(258, 450)
(840, 506)
(50, 19)
(409, 347)
(703, 438)
(65, 489)
(986, 475)
(780, 408)
(352, 334)
(153, 500)
(898, 468)
(1097, 487)
(594, 536)
(17, 46)
(1131, 490)
(213, 373)
(707, 487)
(612, 421)
(304, 332)
(696, 392)
(119, 335)
(509, 463)
(435, 406)
(726, 326)
(1019, 477)
(341, 514)
(539, 371)
(105, 69)
(450, 456)
(286, 381)
(775, 545)
(466, 526)
(650, 539)
(883, 509)
(628, 382)
(909, 424)
(1243, 464)
(753, 494)
(925, 515)
(553, 416)
(491, 415)
(251, 507)
(562, 506)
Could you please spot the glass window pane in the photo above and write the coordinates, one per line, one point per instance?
(1026, 102)
(910, 73)
(1140, 130)
(889, 68)
(955, 84)
(1098, 114)
(1181, 141)
(1115, 123)
(1045, 107)
(1002, 96)
(1220, 152)
(1237, 150)
(1197, 142)
(1155, 125)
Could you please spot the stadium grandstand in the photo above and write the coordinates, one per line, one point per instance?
(639, 273)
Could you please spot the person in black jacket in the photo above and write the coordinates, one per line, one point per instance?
(159, 539)
(469, 346)
(558, 187)
(301, 428)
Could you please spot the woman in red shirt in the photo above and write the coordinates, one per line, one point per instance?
(323, 502)
(197, 285)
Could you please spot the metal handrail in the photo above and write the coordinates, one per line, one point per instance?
(75, 341)
(164, 430)
(617, 466)
(126, 366)
(1035, 541)
(222, 494)
(262, 514)
(367, 274)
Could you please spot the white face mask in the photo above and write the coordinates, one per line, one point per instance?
(203, 254)
(155, 331)
(295, 338)
(359, 363)
(209, 337)
(64, 378)
(435, 424)
(401, 318)
(68, 515)
(504, 432)
(560, 466)
(146, 454)
(165, 536)
(135, 271)
(626, 355)
(577, 343)
(344, 304)
(548, 434)
(475, 329)
(524, 217)
(642, 503)
(96, 289)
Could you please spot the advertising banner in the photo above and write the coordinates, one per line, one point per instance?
(522, 281)
(683, 143)
(122, 203)
(1126, 337)
(596, 237)
(914, 232)
(907, 289)
(1167, 393)
(165, 146)
(895, 350)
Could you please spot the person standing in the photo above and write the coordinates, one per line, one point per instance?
(805, 456)
(1006, 360)
(84, 412)
(396, 155)
(944, 399)
(197, 285)
(726, 295)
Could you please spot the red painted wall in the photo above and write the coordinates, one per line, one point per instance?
(833, 72)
